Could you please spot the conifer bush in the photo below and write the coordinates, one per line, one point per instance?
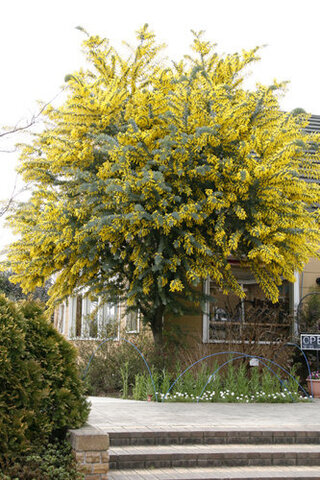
(41, 394)
(53, 461)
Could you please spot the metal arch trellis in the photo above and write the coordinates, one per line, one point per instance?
(263, 363)
(232, 360)
(240, 355)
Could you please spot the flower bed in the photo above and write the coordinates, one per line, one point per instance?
(235, 383)
(228, 396)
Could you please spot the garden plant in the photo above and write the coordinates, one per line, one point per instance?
(118, 370)
(41, 393)
(152, 174)
(236, 384)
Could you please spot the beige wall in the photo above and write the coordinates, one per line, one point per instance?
(190, 326)
(307, 280)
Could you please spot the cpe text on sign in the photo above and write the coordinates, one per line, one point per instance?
(310, 341)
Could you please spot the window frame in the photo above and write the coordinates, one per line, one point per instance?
(138, 323)
(85, 312)
(206, 318)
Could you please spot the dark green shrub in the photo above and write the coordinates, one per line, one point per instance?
(20, 381)
(48, 462)
(65, 405)
(41, 394)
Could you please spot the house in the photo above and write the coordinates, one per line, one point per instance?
(228, 319)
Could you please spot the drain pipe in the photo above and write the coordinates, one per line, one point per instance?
(295, 304)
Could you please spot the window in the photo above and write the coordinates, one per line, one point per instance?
(92, 319)
(109, 320)
(229, 319)
(132, 322)
(78, 315)
(61, 318)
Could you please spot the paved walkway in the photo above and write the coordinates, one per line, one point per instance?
(113, 414)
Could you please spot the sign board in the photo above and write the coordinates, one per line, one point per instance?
(254, 362)
(310, 341)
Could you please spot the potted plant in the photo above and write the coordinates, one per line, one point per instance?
(314, 383)
(149, 389)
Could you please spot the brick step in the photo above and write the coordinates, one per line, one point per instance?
(212, 436)
(231, 473)
(169, 456)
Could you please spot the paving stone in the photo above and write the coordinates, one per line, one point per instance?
(218, 455)
(232, 473)
(209, 441)
(121, 438)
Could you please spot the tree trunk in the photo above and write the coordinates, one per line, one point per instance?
(156, 325)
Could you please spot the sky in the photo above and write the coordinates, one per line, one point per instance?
(40, 45)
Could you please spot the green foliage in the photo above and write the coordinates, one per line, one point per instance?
(124, 371)
(269, 382)
(65, 404)
(116, 364)
(20, 381)
(119, 368)
(53, 461)
(231, 377)
(149, 384)
(151, 175)
(139, 388)
(234, 383)
(215, 383)
(290, 383)
(166, 381)
(255, 380)
(242, 380)
(41, 394)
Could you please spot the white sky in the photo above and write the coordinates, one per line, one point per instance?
(39, 46)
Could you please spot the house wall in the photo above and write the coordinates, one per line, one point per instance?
(187, 328)
(191, 328)
(307, 280)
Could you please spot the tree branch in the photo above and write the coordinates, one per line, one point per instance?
(31, 121)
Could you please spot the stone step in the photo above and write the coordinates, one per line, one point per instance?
(211, 436)
(170, 456)
(231, 473)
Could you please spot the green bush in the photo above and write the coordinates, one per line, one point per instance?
(41, 394)
(53, 461)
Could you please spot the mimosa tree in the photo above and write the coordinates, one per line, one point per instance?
(151, 175)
